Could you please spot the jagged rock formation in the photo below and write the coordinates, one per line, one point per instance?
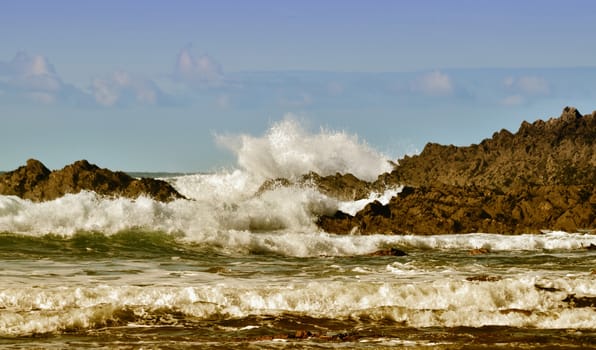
(36, 182)
(452, 209)
(560, 151)
(345, 187)
(541, 177)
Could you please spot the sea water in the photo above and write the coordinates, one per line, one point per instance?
(235, 267)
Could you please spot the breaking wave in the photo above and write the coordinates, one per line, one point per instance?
(443, 302)
(289, 151)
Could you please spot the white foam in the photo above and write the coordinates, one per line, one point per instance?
(289, 151)
(496, 242)
(280, 221)
(353, 207)
(204, 219)
(440, 302)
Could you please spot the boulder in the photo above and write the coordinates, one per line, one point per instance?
(36, 182)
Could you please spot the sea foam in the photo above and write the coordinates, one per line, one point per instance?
(277, 222)
(440, 302)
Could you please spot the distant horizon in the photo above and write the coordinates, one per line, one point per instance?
(163, 173)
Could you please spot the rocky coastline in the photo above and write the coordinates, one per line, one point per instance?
(35, 182)
(540, 178)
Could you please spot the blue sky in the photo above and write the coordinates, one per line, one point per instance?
(144, 86)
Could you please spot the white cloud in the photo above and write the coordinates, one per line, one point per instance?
(105, 93)
(201, 70)
(434, 83)
(527, 85)
(24, 64)
(33, 76)
(513, 100)
(123, 88)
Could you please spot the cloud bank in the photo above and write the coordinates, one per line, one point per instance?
(122, 88)
(200, 81)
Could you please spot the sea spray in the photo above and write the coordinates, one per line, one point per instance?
(289, 151)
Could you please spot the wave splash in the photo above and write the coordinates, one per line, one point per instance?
(222, 203)
(289, 151)
(226, 210)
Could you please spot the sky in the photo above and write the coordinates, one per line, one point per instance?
(148, 85)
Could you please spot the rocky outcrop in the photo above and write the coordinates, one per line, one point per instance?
(560, 151)
(452, 209)
(344, 187)
(540, 178)
(36, 182)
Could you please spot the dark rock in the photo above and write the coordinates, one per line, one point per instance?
(344, 187)
(546, 289)
(389, 252)
(303, 334)
(23, 181)
(35, 182)
(452, 209)
(584, 301)
(559, 151)
(516, 311)
(541, 177)
(272, 184)
(483, 278)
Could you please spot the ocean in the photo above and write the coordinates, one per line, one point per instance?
(235, 267)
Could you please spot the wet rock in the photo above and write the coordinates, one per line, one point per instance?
(483, 278)
(344, 187)
(541, 177)
(272, 184)
(303, 334)
(451, 209)
(516, 311)
(479, 251)
(546, 289)
(35, 182)
(389, 252)
(583, 301)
